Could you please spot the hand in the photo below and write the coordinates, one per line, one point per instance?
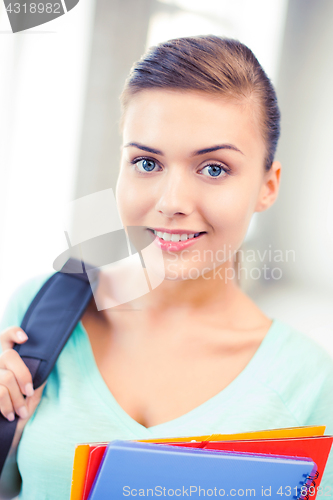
(16, 382)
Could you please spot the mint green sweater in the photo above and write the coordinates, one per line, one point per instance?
(288, 382)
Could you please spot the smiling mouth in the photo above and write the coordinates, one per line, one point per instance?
(174, 237)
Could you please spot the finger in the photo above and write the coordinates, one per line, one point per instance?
(6, 406)
(36, 395)
(12, 335)
(12, 361)
(17, 401)
(33, 401)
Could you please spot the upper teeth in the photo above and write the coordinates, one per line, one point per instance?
(175, 237)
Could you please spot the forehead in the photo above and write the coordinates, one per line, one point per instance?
(184, 120)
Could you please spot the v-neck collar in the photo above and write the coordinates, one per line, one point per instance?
(94, 378)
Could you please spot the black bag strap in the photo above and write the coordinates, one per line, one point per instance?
(49, 321)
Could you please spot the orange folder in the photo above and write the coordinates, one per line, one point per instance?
(81, 457)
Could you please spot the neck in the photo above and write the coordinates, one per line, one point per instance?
(214, 290)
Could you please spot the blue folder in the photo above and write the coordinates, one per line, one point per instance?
(144, 469)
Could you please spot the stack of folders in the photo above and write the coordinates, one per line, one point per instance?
(276, 463)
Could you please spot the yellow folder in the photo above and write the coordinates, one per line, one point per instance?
(305, 431)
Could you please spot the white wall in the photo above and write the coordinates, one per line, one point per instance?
(42, 90)
(257, 23)
(302, 217)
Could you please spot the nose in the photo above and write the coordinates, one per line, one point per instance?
(175, 195)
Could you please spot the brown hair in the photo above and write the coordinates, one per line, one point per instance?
(214, 65)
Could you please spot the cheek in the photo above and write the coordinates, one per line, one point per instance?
(230, 211)
(131, 201)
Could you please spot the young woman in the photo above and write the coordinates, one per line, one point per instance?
(195, 355)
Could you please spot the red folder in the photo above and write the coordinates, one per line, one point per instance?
(96, 453)
(317, 448)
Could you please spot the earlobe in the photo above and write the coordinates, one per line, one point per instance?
(270, 187)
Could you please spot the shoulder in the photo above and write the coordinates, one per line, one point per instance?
(294, 349)
(299, 371)
(19, 301)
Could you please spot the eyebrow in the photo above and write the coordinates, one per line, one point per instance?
(216, 148)
(196, 153)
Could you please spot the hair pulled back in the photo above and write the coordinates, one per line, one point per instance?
(211, 64)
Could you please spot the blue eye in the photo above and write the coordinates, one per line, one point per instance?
(215, 170)
(146, 164)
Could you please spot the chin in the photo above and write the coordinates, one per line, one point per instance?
(181, 273)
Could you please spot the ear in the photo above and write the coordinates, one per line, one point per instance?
(270, 187)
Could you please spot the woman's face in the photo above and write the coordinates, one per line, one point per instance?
(192, 163)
